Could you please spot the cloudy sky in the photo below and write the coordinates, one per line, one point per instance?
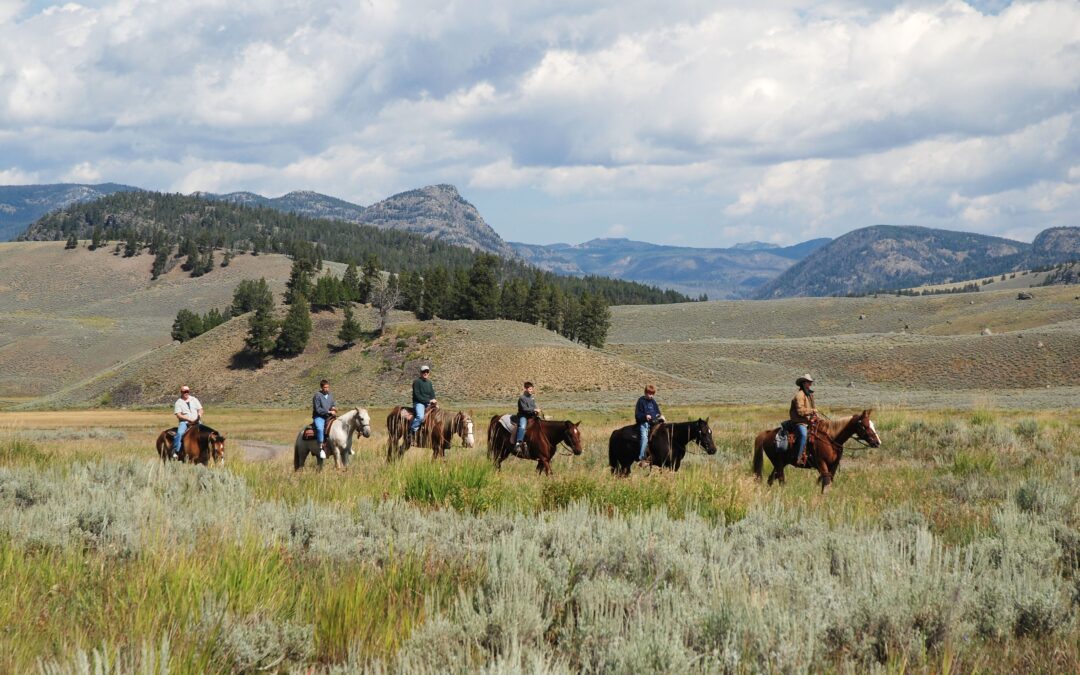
(682, 121)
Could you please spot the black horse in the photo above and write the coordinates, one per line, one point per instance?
(667, 446)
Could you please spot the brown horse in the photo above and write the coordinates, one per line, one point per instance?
(824, 447)
(198, 445)
(542, 438)
(436, 432)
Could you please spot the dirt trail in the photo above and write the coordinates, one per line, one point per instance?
(261, 451)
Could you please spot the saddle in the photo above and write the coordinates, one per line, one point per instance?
(170, 433)
(309, 430)
(785, 435)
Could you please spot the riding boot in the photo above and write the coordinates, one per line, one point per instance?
(521, 450)
(322, 450)
(801, 459)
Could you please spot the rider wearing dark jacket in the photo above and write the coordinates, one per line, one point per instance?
(646, 414)
(526, 411)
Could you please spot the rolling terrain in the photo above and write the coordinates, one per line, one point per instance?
(83, 328)
(21, 205)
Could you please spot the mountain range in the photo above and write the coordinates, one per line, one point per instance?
(880, 257)
(886, 257)
(720, 273)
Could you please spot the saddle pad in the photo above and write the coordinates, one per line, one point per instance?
(507, 421)
(781, 439)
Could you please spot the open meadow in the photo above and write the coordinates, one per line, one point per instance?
(954, 547)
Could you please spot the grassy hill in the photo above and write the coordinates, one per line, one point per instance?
(85, 328)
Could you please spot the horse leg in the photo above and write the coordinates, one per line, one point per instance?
(824, 476)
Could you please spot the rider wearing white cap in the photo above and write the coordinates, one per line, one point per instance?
(803, 412)
(188, 411)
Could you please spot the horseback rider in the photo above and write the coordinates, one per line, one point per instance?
(188, 411)
(803, 413)
(322, 409)
(646, 414)
(423, 397)
(526, 410)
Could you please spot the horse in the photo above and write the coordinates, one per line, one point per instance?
(824, 447)
(436, 432)
(339, 436)
(667, 444)
(198, 445)
(542, 438)
(441, 432)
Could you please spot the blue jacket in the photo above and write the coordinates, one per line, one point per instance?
(646, 406)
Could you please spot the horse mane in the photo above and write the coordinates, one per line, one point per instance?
(834, 427)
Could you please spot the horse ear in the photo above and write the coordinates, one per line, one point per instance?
(577, 424)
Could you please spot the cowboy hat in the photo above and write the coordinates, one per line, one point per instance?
(804, 378)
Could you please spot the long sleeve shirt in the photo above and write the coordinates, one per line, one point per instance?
(646, 406)
(422, 391)
(802, 407)
(526, 406)
(321, 404)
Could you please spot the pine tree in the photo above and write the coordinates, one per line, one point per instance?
(571, 318)
(161, 259)
(595, 320)
(370, 278)
(351, 283)
(131, 245)
(262, 327)
(483, 288)
(96, 238)
(327, 292)
(535, 309)
(412, 292)
(72, 242)
(552, 320)
(227, 258)
(186, 326)
(213, 319)
(250, 296)
(350, 328)
(436, 292)
(458, 306)
(295, 329)
(299, 283)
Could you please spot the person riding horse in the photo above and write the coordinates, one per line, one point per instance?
(646, 414)
(188, 411)
(526, 410)
(322, 409)
(803, 413)
(423, 397)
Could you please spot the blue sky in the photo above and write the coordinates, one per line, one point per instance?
(688, 122)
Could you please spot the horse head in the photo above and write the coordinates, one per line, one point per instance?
(865, 430)
(217, 447)
(362, 422)
(572, 436)
(464, 425)
(704, 436)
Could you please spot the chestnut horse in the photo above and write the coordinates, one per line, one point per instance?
(824, 447)
(667, 445)
(437, 431)
(197, 446)
(542, 438)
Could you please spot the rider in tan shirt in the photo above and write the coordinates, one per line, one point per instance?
(803, 412)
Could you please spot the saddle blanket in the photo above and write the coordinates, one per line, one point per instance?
(781, 439)
(507, 421)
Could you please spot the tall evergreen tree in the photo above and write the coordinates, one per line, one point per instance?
(262, 329)
(436, 292)
(161, 259)
(328, 292)
(299, 283)
(483, 288)
(458, 305)
(412, 292)
(350, 328)
(72, 242)
(131, 245)
(535, 309)
(370, 279)
(295, 329)
(595, 321)
(250, 295)
(227, 258)
(351, 282)
(97, 239)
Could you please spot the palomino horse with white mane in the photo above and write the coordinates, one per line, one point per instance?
(824, 447)
(339, 438)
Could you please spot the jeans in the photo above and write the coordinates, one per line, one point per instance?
(419, 419)
(180, 430)
(320, 428)
(801, 431)
(643, 431)
(523, 422)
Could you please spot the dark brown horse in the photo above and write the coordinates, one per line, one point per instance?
(542, 438)
(667, 445)
(198, 445)
(824, 447)
(436, 432)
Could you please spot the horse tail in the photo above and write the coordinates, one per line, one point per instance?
(612, 453)
(759, 451)
(491, 437)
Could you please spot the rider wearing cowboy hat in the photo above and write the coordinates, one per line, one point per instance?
(188, 411)
(803, 413)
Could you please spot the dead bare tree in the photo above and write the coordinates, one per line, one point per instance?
(385, 297)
